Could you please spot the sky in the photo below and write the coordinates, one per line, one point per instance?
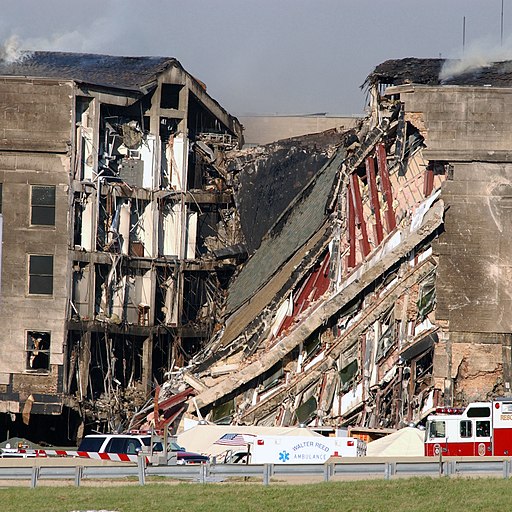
(267, 56)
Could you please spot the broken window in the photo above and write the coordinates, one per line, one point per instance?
(40, 271)
(307, 410)
(38, 351)
(387, 338)
(427, 295)
(348, 375)
(43, 205)
(222, 414)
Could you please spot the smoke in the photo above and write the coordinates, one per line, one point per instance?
(11, 52)
(478, 55)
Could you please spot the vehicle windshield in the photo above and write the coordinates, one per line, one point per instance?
(175, 447)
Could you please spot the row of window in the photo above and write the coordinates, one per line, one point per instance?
(42, 204)
(482, 428)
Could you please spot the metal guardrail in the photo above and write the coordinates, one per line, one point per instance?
(205, 473)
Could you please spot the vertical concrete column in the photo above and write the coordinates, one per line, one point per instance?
(147, 364)
(84, 360)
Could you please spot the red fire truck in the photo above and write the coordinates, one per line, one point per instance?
(480, 429)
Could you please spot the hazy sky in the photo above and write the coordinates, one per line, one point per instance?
(265, 56)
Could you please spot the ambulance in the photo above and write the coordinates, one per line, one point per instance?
(480, 429)
(304, 449)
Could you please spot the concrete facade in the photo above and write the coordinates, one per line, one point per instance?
(113, 198)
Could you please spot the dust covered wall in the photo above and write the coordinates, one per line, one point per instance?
(469, 127)
(474, 286)
(35, 140)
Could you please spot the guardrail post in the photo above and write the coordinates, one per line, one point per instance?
(79, 472)
(141, 466)
(387, 470)
(328, 471)
(34, 477)
(451, 467)
(203, 473)
(267, 473)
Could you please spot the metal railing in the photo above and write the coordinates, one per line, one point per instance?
(209, 473)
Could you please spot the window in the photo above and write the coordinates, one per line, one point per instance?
(38, 350)
(437, 429)
(43, 205)
(466, 428)
(483, 428)
(479, 412)
(91, 444)
(116, 445)
(40, 270)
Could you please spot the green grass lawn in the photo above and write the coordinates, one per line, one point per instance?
(415, 494)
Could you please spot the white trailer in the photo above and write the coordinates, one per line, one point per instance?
(304, 449)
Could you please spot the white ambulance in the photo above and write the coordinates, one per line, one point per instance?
(304, 449)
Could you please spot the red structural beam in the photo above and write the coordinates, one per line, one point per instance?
(351, 258)
(358, 207)
(428, 181)
(374, 198)
(386, 187)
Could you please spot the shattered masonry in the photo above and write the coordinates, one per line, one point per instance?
(384, 288)
(379, 291)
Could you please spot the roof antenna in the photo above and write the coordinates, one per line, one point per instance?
(463, 34)
(501, 32)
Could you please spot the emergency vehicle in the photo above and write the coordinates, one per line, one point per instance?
(480, 429)
(304, 449)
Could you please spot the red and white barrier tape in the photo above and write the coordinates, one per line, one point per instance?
(118, 457)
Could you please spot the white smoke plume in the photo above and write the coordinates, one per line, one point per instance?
(11, 52)
(478, 55)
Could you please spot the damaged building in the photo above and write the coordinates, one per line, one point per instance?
(382, 290)
(118, 219)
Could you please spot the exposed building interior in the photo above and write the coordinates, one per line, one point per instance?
(160, 273)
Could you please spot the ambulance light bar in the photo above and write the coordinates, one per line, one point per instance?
(449, 410)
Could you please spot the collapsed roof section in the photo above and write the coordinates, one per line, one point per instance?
(270, 176)
(135, 76)
(470, 72)
(373, 316)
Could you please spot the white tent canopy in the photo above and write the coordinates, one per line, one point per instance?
(406, 442)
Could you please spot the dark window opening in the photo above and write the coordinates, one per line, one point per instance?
(170, 97)
(43, 205)
(40, 275)
(38, 351)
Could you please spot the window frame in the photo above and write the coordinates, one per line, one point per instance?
(466, 424)
(31, 284)
(43, 207)
(483, 424)
(34, 351)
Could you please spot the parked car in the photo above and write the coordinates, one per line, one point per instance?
(132, 444)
